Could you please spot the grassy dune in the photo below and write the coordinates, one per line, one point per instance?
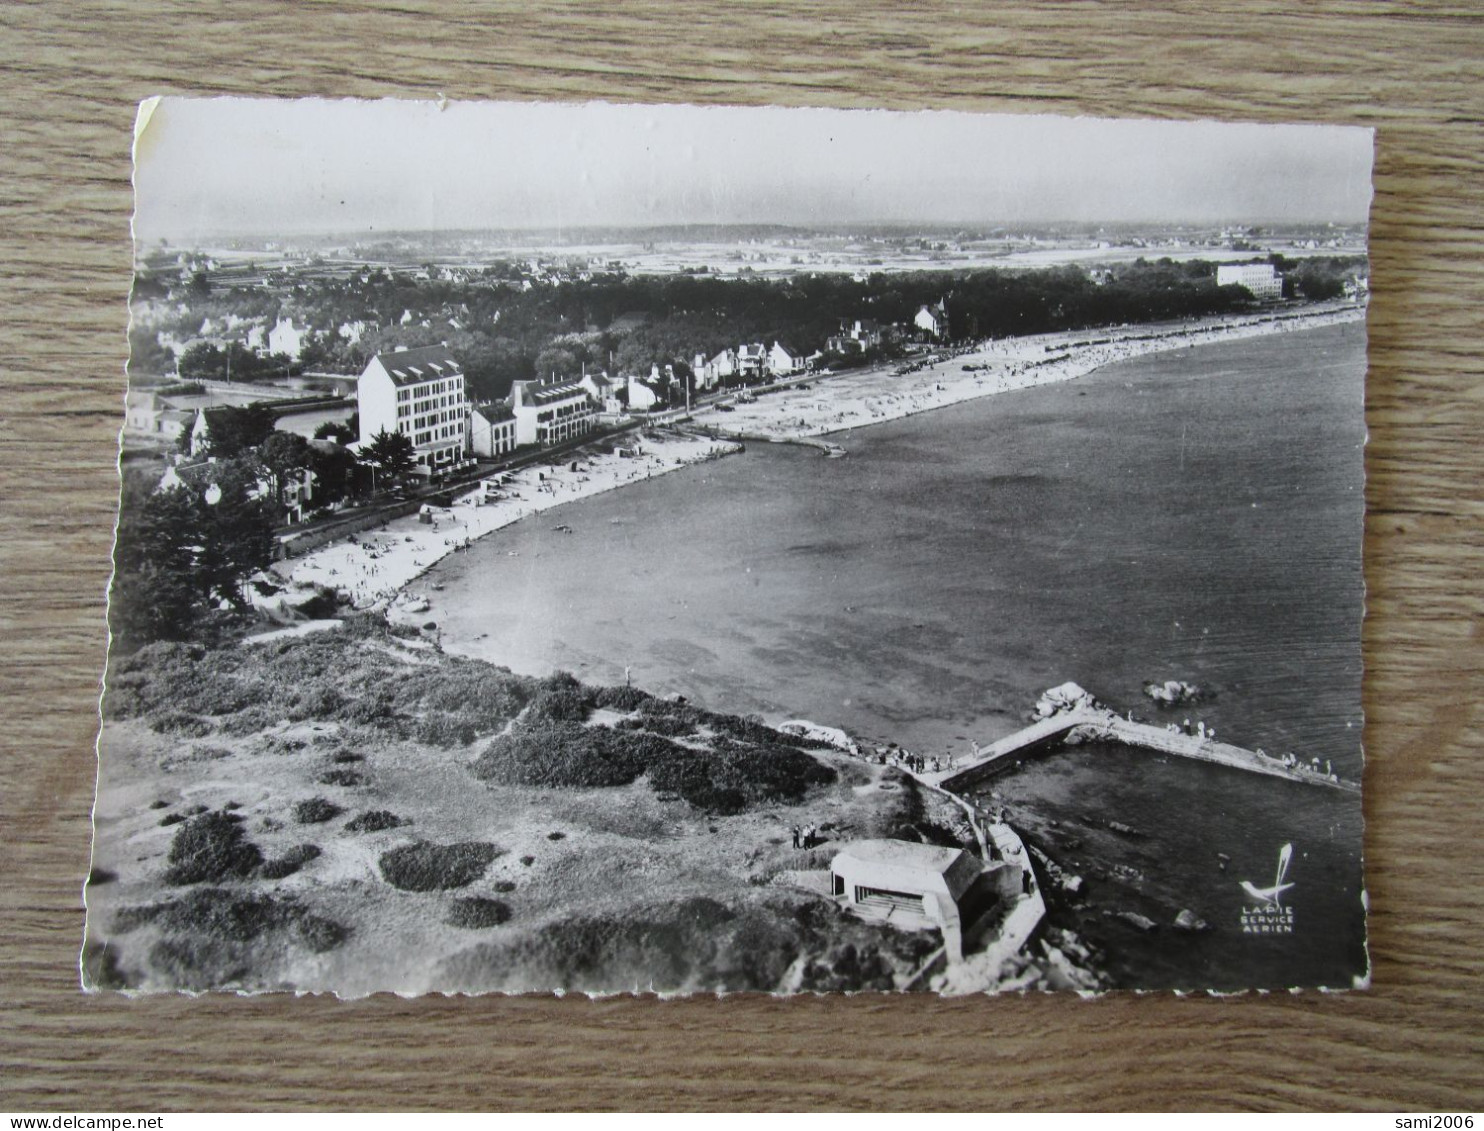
(354, 811)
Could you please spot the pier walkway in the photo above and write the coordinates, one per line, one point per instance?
(1099, 724)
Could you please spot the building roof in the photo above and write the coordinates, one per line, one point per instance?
(912, 866)
(907, 853)
(413, 367)
(495, 411)
(544, 392)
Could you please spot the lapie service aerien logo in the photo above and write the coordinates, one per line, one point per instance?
(1266, 913)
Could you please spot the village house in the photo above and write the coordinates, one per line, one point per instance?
(922, 886)
(1262, 279)
(551, 411)
(419, 393)
(860, 335)
(785, 361)
(605, 391)
(933, 320)
(642, 395)
(298, 488)
(492, 429)
(153, 413)
(702, 373)
(286, 338)
(752, 360)
(716, 371)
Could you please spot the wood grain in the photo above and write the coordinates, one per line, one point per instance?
(72, 73)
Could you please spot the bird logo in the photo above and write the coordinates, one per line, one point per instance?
(1272, 897)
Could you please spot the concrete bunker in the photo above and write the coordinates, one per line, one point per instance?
(922, 886)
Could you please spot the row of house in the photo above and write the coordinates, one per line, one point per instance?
(751, 361)
(422, 394)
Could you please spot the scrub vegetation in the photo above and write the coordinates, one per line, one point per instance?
(334, 798)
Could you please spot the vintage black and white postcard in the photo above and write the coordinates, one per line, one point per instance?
(603, 548)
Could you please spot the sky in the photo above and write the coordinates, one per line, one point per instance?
(261, 167)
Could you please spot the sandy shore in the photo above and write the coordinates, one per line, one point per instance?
(855, 399)
(374, 567)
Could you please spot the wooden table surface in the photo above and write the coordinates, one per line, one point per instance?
(72, 73)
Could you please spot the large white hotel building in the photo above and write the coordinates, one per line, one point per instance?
(419, 393)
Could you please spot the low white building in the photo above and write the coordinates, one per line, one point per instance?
(861, 334)
(752, 359)
(702, 374)
(712, 373)
(642, 396)
(492, 429)
(1262, 279)
(549, 412)
(921, 886)
(932, 320)
(419, 393)
(286, 338)
(605, 392)
(154, 414)
(784, 360)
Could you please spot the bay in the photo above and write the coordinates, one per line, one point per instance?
(1195, 515)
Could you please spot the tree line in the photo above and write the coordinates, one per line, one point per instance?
(503, 329)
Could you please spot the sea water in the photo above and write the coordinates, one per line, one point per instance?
(1195, 515)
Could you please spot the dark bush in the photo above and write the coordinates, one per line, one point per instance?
(209, 937)
(374, 822)
(211, 848)
(504, 887)
(557, 706)
(368, 710)
(476, 912)
(340, 777)
(100, 876)
(101, 968)
(316, 811)
(182, 723)
(290, 862)
(675, 710)
(726, 779)
(559, 754)
(444, 730)
(622, 698)
(250, 721)
(667, 725)
(226, 696)
(171, 819)
(320, 934)
(316, 703)
(346, 758)
(436, 867)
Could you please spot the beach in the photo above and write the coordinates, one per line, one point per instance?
(373, 568)
(855, 399)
